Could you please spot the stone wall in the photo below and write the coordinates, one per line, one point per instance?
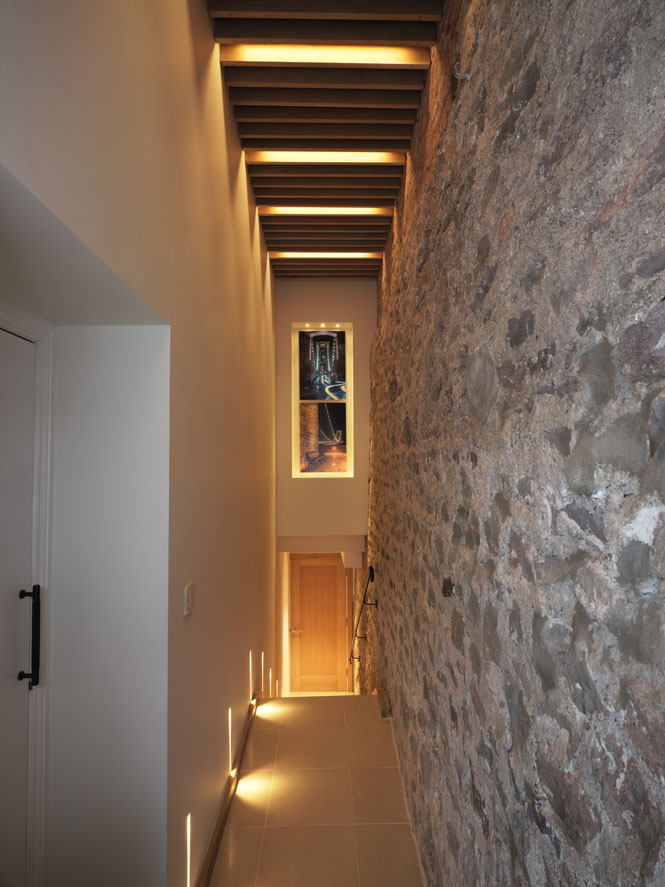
(517, 522)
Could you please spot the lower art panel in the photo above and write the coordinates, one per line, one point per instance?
(323, 438)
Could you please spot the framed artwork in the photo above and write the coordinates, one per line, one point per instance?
(322, 396)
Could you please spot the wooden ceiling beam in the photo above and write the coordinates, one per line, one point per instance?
(319, 233)
(376, 10)
(318, 182)
(326, 201)
(325, 32)
(323, 221)
(311, 194)
(259, 171)
(326, 98)
(346, 132)
(308, 115)
(322, 79)
(308, 144)
(297, 275)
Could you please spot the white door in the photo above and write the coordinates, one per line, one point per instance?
(17, 409)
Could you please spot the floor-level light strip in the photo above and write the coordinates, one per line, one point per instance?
(262, 672)
(230, 744)
(251, 679)
(188, 832)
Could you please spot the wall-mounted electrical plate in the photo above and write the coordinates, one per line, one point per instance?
(189, 597)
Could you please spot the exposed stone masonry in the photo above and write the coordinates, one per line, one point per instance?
(517, 523)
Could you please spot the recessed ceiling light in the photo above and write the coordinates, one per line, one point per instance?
(322, 325)
(329, 255)
(391, 157)
(321, 55)
(325, 210)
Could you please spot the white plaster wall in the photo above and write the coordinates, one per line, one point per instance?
(323, 506)
(108, 590)
(114, 117)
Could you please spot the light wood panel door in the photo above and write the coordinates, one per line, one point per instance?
(318, 611)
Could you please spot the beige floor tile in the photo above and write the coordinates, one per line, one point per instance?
(378, 795)
(314, 856)
(387, 856)
(260, 750)
(310, 797)
(342, 703)
(238, 858)
(366, 719)
(305, 747)
(370, 746)
(250, 802)
(294, 712)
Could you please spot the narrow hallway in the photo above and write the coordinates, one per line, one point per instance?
(319, 800)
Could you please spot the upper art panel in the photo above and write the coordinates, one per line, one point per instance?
(322, 358)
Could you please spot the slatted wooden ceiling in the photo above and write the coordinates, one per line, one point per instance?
(313, 76)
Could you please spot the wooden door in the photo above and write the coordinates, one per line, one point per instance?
(318, 618)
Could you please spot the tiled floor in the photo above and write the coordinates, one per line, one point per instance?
(319, 801)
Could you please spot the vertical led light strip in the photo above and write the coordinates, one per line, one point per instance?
(270, 682)
(262, 673)
(230, 744)
(251, 677)
(188, 832)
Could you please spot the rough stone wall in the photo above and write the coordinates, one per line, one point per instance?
(517, 521)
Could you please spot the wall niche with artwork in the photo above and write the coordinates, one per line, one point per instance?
(322, 397)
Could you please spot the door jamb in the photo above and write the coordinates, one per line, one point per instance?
(20, 322)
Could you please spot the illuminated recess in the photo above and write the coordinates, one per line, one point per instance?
(325, 210)
(332, 55)
(262, 672)
(365, 157)
(230, 744)
(251, 677)
(188, 838)
(326, 256)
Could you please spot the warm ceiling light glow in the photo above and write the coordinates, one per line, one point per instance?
(306, 324)
(324, 55)
(322, 325)
(391, 157)
(326, 256)
(336, 324)
(325, 210)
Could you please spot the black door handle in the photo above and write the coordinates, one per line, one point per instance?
(33, 675)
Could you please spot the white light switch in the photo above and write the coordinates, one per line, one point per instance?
(189, 595)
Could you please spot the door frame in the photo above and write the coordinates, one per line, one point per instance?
(348, 601)
(20, 322)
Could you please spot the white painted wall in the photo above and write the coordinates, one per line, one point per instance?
(300, 510)
(114, 118)
(107, 671)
